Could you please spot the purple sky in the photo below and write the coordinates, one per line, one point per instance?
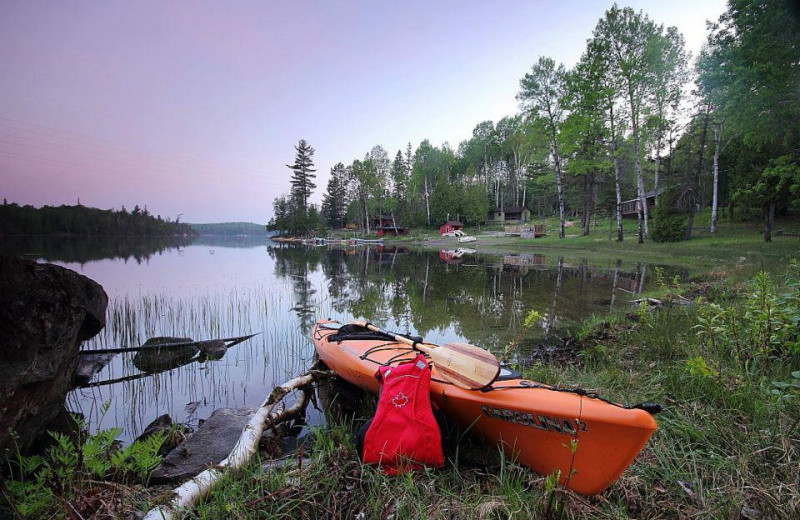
(193, 107)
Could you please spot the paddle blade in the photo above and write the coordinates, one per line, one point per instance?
(464, 365)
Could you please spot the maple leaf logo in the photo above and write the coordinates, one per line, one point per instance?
(400, 400)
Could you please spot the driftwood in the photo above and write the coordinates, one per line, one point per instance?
(649, 301)
(193, 490)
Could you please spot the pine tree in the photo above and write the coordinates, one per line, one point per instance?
(302, 176)
(399, 177)
(334, 202)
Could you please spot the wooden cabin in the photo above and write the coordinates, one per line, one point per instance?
(509, 215)
(451, 226)
(630, 208)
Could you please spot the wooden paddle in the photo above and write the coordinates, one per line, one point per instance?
(464, 365)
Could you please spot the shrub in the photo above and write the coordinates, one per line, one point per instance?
(667, 224)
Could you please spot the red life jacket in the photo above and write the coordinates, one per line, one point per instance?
(403, 434)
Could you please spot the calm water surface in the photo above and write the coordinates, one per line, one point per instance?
(216, 288)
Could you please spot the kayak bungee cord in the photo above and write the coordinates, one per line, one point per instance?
(651, 408)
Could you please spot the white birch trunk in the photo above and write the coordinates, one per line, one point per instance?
(715, 185)
(427, 201)
(560, 187)
(190, 492)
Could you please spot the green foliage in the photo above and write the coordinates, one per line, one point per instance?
(84, 221)
(698, 367)
(39, 484)
(474, 205)
(760, 330)
(532, 318)
(667, 227)
(445, 202)
(302, 176)
(749, 70)
(789, 389)
(667, 224)
(230, 229)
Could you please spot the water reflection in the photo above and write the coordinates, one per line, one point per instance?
(216, 288)
(82, 250)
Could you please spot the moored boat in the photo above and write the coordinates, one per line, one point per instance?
(587, 440)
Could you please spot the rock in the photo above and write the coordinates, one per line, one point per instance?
(162, 423)
(174, 434)
(212, 442)
(90, 364)
(46, 312)
(751, 513)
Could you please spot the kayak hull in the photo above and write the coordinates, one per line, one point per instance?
(589, 442)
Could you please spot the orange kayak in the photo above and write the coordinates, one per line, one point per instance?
(589, 441)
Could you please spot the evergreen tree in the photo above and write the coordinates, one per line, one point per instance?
(302, 176)
(334, 202)
(399, 178)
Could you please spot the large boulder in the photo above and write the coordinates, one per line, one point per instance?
(46, 312)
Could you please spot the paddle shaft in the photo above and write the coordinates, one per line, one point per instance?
(464, 365)
(397, 337)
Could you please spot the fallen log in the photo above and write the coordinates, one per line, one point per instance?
(190, 492)
(650, 301)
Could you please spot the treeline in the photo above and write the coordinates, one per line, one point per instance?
(85, 221)
(632, 126)
(231, 229)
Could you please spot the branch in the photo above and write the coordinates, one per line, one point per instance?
(191, 491)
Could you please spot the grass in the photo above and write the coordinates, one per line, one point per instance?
(737, 249)
(336, 485)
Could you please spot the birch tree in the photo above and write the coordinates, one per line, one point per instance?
(749, 71)
(668, 59)
(541, 96)
(632, 38)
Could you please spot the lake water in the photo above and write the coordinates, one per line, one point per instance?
(218, 288)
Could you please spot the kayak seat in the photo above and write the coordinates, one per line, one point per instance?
(351, 332)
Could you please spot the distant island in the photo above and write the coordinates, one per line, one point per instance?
(232, 229)
(81, 220)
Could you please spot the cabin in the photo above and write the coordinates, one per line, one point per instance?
(385, 225)
(630, 208)
(451, 226)
(509, 215)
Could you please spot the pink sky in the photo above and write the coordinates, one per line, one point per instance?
(193, 107)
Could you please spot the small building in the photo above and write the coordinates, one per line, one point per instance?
(630, 208)
(509, 215)
(451, 226)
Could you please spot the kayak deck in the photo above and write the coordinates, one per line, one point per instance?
(587, 440)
